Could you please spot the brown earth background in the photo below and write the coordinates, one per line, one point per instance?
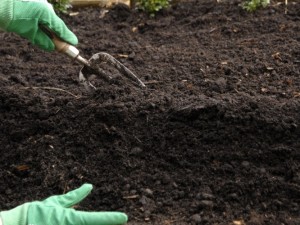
(214, 139)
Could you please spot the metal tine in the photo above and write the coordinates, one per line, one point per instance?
(103, 56)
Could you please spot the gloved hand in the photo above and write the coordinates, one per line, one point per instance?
(56, 210)
(24, 16)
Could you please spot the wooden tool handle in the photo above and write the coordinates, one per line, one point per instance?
(60, 45)
(64, 47)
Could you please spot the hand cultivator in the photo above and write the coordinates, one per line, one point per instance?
(93, 66)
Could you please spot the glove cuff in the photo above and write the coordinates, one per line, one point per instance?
(15, 216)
(6, 13)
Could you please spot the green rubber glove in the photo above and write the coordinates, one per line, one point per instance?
(56, 210)
(24, 16)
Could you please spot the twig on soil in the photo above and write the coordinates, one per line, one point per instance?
(131, 197)
(152, 82)
(137, 139)
(65, 188)
(52, 88)
(296, 94)
(286, 2)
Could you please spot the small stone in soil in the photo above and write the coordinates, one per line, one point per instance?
(196, 218)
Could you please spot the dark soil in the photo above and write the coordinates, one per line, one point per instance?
(214, 139)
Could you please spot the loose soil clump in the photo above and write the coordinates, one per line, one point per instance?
(214, 139)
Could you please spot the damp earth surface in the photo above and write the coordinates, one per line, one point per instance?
(213, 139)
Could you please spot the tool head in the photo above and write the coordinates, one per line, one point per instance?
(96, 67)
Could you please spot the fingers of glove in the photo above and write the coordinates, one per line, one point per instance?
(29, 29)
(40, 214)
(99, 218)
(28, 14)
(46, 15)
(57, 25)
(71, 198)
(42, 1)
(59, 28)
(43, 41)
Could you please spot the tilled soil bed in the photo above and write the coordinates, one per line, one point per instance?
(214, 139)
